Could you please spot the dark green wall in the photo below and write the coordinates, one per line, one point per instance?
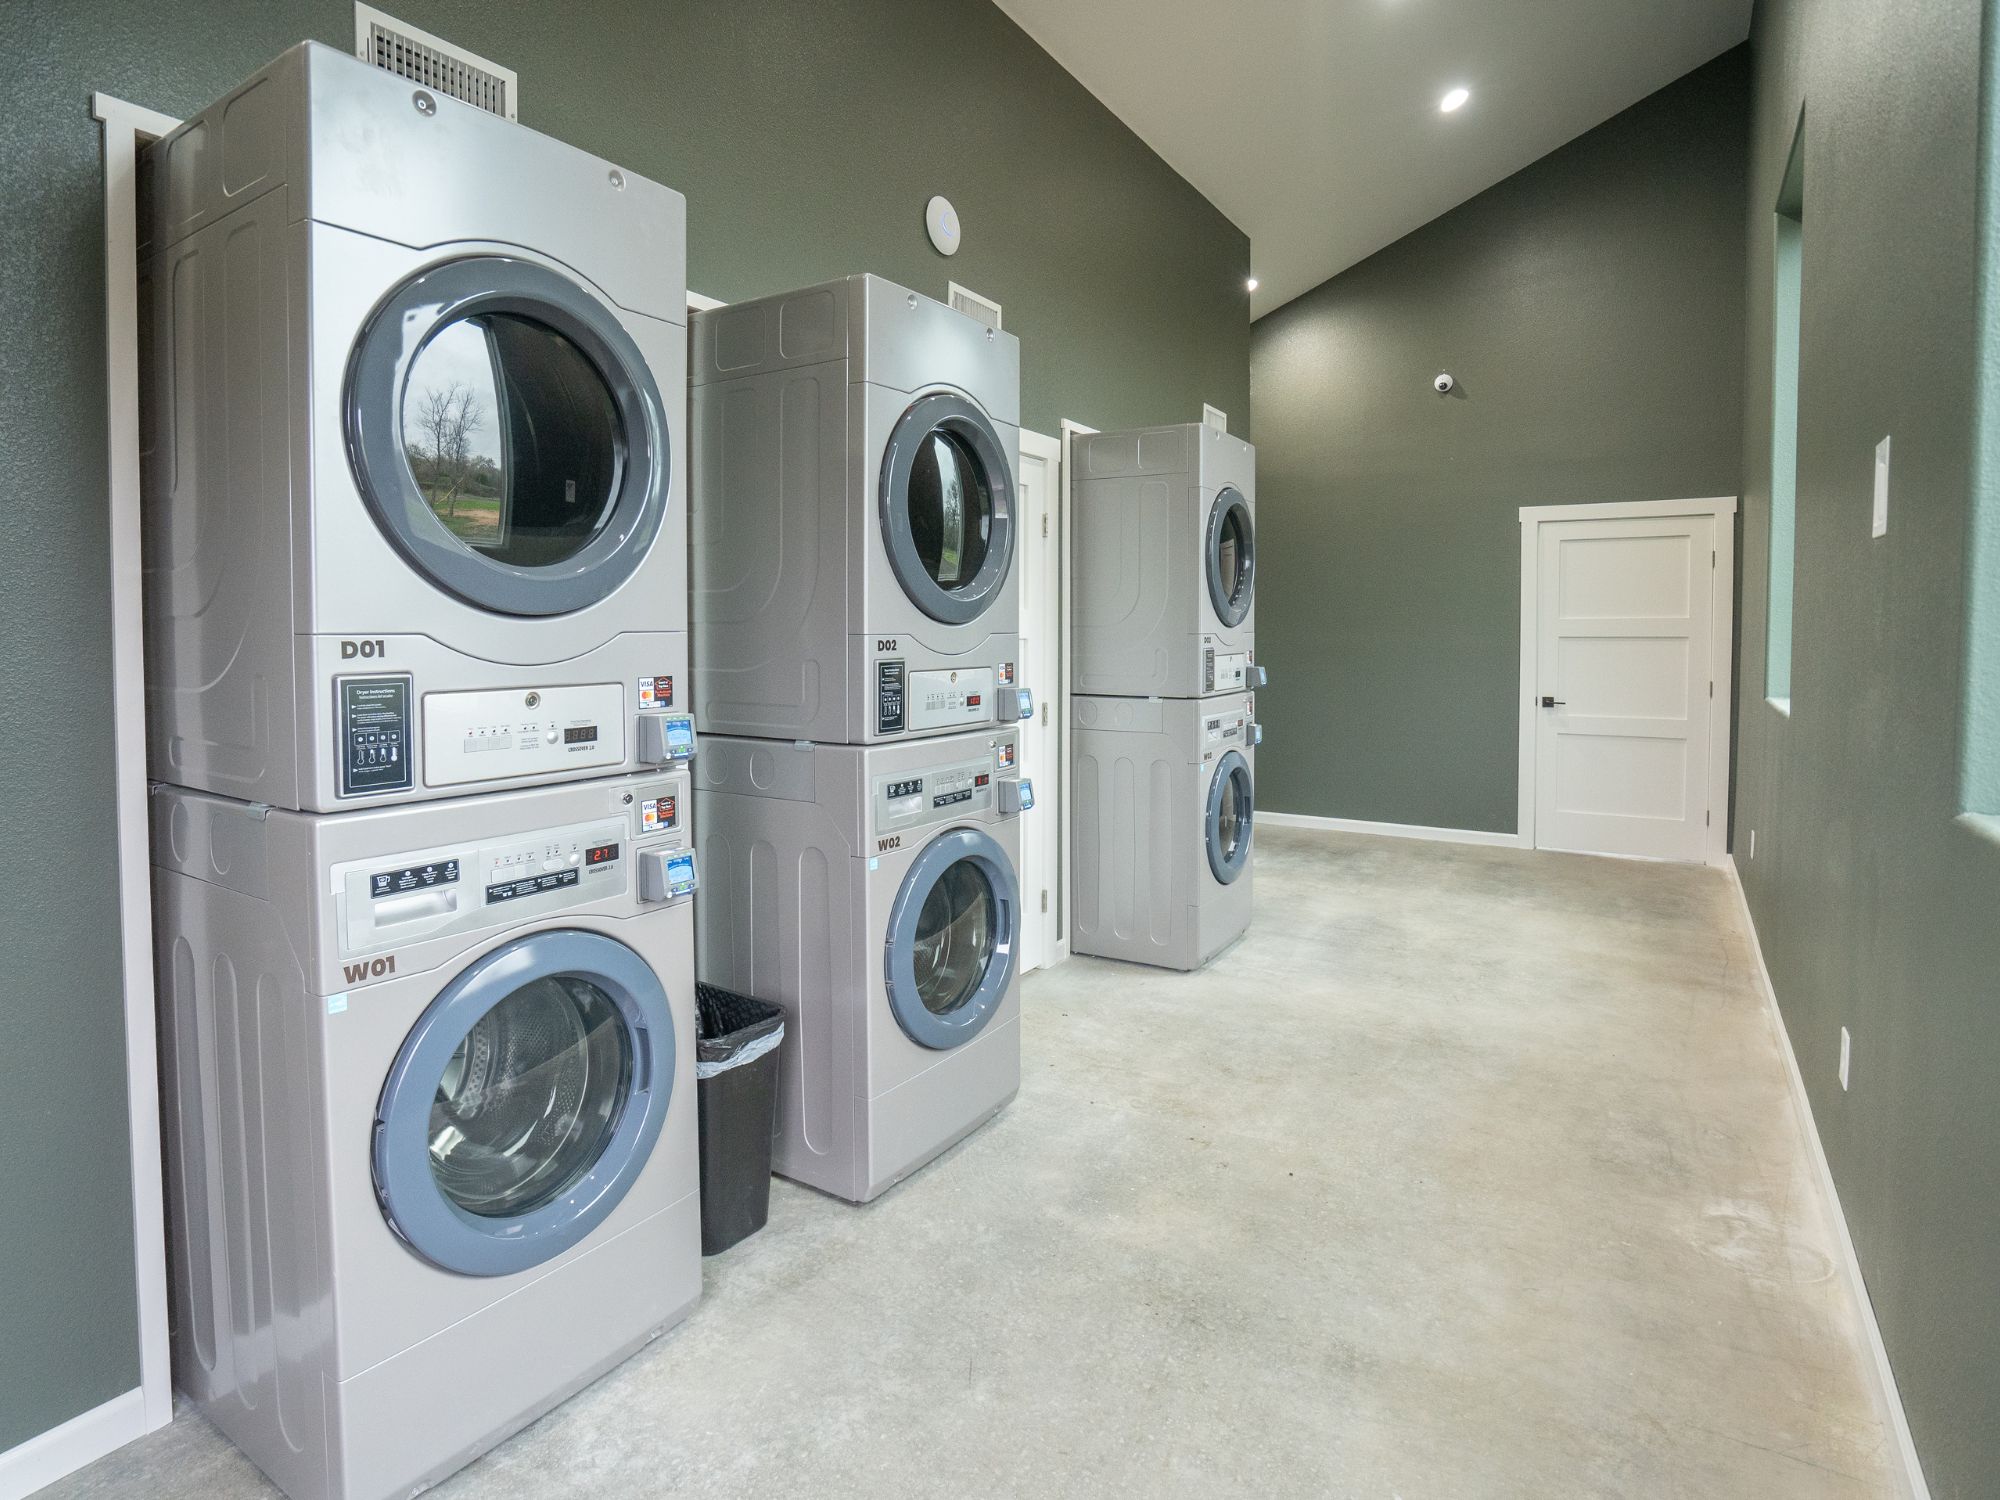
(807, 137)
(1591, 310)
(1876, 908)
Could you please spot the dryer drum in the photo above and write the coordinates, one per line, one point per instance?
(1232, 556)
(507, 435)
(947, 508)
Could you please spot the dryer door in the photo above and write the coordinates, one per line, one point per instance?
(525, 1103)
(507, 435)
(1231, 808)
(947, 508)
(953, 933)
(1232, 556)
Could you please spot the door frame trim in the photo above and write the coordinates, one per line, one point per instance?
(1722, 639)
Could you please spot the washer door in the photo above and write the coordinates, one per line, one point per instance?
(947, 508)
(950, 948)
(507, 435)
(1232, 556)
(525, 1103)
(1231, 809)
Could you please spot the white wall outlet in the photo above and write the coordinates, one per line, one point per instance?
(1846, 1056)
(1881, 524)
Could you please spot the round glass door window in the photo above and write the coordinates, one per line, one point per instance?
(507, 435)
(1230, 816)
(530, 1096)
(512, 438)
(524, 1103)
(947, 510)
(951, 510)
(950, 945)
(953, 944)
(1232, 556)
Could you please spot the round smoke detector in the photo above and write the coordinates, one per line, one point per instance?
(941, 219)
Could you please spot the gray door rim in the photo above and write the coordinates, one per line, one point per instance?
(1233, 765)
(417, 1209)
(1231, 611)
(965, 421)
(387, 345)
(919, 1023)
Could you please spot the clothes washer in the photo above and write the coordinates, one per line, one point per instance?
(430, 1115)
(856, 456)
(1165, 804)
(1166, 563)
(413, 398)
(871, 891)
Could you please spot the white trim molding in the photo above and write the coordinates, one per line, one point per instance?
(1390, 830)
(1881, 1377)
(1722, 648)
(83, 1439)
(1066, 653)
(698, 303)
(126, 128)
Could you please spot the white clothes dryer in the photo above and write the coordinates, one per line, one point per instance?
(413, 393)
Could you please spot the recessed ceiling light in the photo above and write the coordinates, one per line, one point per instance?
(1454, 99)
(1252, 283)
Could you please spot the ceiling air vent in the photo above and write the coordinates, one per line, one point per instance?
(433, 62)
(979, 309)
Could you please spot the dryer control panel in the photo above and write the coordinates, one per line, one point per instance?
(1224, 671)
(499, 734)
(914, 702)
(941, 793)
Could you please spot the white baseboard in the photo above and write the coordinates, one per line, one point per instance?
(63, 1450)
(1882, 1379)
(1390, 830)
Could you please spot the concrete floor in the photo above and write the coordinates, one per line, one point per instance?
(1469, 1173)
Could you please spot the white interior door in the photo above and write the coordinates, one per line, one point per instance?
(1624, 676)
(1040, 562)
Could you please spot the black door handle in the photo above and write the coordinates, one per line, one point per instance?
(1548, 702)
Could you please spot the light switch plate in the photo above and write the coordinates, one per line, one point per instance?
(1881, 527)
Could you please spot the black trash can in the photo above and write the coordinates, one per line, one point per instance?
(736, 1066)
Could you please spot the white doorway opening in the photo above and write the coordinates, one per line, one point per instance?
(1626, 630)
(1044, 738)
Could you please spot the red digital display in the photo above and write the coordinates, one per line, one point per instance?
(981, 779)
(603, 854)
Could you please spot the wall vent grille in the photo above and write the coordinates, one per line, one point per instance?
(1219, 420)
(979, 309)
(433, 63)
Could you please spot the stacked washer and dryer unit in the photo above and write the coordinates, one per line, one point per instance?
(856, 644)
(416, 621)
(1163, 693)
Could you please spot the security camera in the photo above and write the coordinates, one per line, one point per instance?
(1443, 384)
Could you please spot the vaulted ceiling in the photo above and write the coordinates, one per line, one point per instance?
(1315, 124)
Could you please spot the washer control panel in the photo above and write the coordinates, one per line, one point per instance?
(942, 793)
(1223, 732)
(513, 732)
(409, 895)
(374, 731)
